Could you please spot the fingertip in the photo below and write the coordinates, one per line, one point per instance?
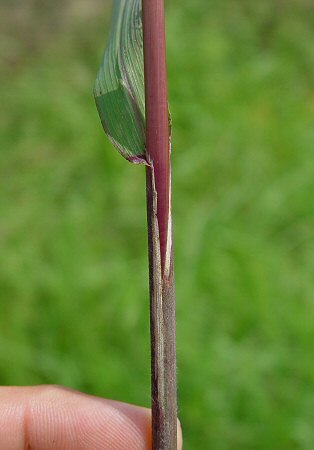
(50, 417)
(55, 416)
(88, 422)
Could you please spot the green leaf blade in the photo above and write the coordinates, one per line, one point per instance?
(119, 87)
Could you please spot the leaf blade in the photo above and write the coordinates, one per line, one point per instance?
(119, 87)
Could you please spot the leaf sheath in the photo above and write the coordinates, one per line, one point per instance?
(163, 332)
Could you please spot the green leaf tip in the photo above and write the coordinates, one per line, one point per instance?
(119, 87)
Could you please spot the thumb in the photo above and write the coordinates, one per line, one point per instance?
(54, 418)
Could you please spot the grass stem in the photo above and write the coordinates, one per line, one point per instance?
(160, 239)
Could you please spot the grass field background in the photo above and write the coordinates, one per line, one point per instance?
(73, 261)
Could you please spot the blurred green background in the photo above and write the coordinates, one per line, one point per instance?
(73, 261)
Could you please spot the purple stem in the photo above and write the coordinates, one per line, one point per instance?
(160, 245)
(157, 120)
